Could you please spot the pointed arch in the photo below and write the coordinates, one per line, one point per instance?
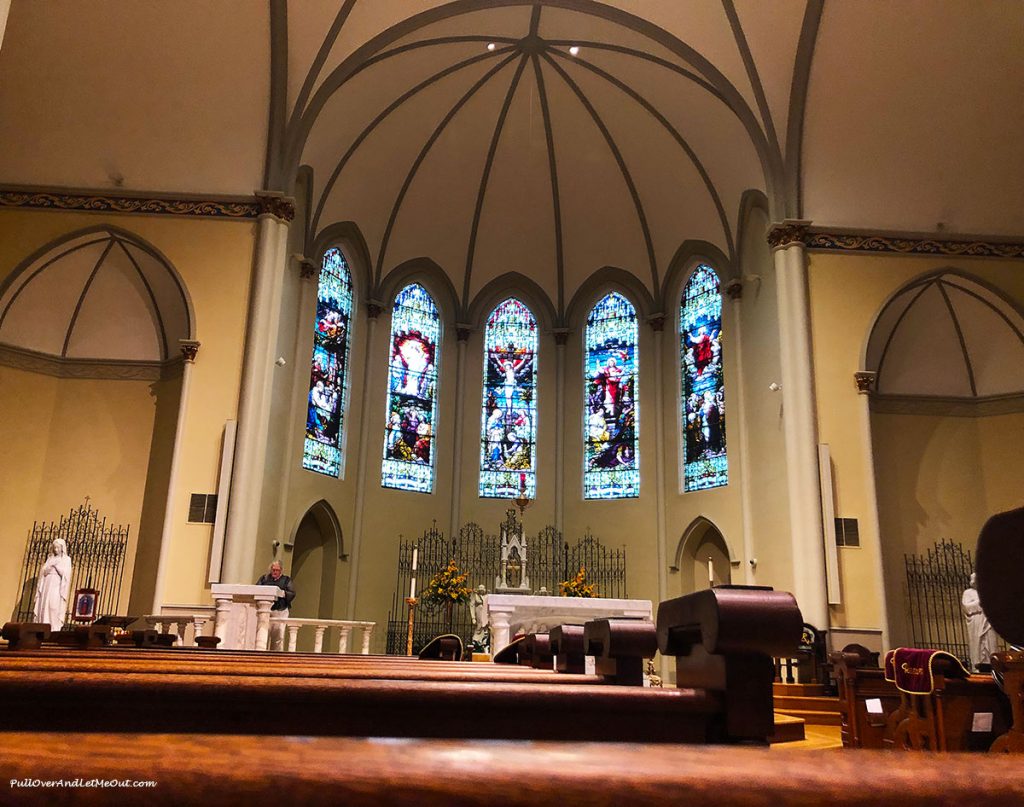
(508, 438)
(512, 284)
(611, 404)
(411, 416)
(330, 527)
(327, 405)
(602, 281)
(704, 463)
(693, 536)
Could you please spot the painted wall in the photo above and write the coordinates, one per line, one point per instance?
(214, 260)
(846, 293)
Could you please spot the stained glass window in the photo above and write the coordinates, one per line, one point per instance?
(611, 463)
(412, 392)
(325, 412)
(705, 464)
(508, 422)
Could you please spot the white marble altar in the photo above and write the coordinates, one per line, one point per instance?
(243, 615)
(509, 614)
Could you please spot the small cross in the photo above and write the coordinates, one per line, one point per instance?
(87, 498)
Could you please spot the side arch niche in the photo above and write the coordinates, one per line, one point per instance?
(700, 543)
(317, 552)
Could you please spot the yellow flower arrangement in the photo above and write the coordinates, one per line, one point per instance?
(578, 586)
(448, 586)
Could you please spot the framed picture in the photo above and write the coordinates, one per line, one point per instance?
(85, 604)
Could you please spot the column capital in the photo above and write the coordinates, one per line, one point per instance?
(462, 331)
(734, 289)
(189, 348)
(657, 322)
(307, 266)
(788, 233)
(865, 380)
(561, 335)
(374, 308)
(276, 204)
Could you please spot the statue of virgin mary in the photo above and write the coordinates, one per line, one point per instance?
(54, 587)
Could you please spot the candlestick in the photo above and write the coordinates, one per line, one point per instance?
(411, 602)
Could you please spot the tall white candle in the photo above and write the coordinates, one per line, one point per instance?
(415, 556)
(412, 589)
(711, 573)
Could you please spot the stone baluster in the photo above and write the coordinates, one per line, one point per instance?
(318, 640)
(367, 633)
(181, 625)
(263, 623)
(200, 623)
(344, 631)
(293, 637)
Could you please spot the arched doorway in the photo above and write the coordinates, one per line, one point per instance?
(317, 552)
(702, 557)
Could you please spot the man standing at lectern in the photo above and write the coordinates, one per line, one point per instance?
(279, 610)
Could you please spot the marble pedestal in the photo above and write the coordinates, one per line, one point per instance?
(509, 614)
(243, 615)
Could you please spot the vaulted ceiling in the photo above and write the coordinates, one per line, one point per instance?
(470, 133)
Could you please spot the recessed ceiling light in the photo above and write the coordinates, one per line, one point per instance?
(491, 46)
(574, 50)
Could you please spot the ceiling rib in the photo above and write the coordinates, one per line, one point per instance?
(647, 57)
(753, 76)
(680, 140)
(152, 298)
(81, 297)
(627, 177)
(423, 154)
(556, 199)
(485, 177)
(959, 336)
(1002, 314)
(896, 325)
(387, 111)
(321, 57)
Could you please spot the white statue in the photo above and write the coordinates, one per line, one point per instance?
(981, 639)
(53, 587)
(478, 610)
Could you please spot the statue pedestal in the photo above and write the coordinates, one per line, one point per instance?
(243, 615)
(509, 614)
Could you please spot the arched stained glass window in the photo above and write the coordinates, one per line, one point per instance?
(508, 440)
(412, 392)
(611, 464)
(705, 464)
(325, 414)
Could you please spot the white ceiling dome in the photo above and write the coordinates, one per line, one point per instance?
(948, 336)
(101, 295)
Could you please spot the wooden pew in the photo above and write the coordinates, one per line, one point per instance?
(229, 770)
(866, 699)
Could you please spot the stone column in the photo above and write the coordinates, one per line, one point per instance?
(865, 381)
(373, 310)
(343, 634)
(263, 623)
(499, 623)
(734, 290)
(257, 381)
(561, 338)
(458, 427)
(189, 349)
(222, 617)
(657, 323)
(800, 421)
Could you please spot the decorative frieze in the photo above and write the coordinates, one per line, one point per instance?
(909, 245)
(124, 203)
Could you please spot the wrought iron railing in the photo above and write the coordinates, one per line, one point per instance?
(97, 552)
(935, 585)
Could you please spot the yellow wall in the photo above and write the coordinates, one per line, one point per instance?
(846, 293)
(214, 260)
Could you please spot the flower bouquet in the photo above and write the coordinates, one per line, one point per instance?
(578, 585)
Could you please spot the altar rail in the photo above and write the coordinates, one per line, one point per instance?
(179, 624)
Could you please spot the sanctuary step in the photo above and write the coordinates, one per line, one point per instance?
(816, 709)
(788, 729)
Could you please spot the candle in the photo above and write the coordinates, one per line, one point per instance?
(711, 573)
(415, 556)
(412, 589)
